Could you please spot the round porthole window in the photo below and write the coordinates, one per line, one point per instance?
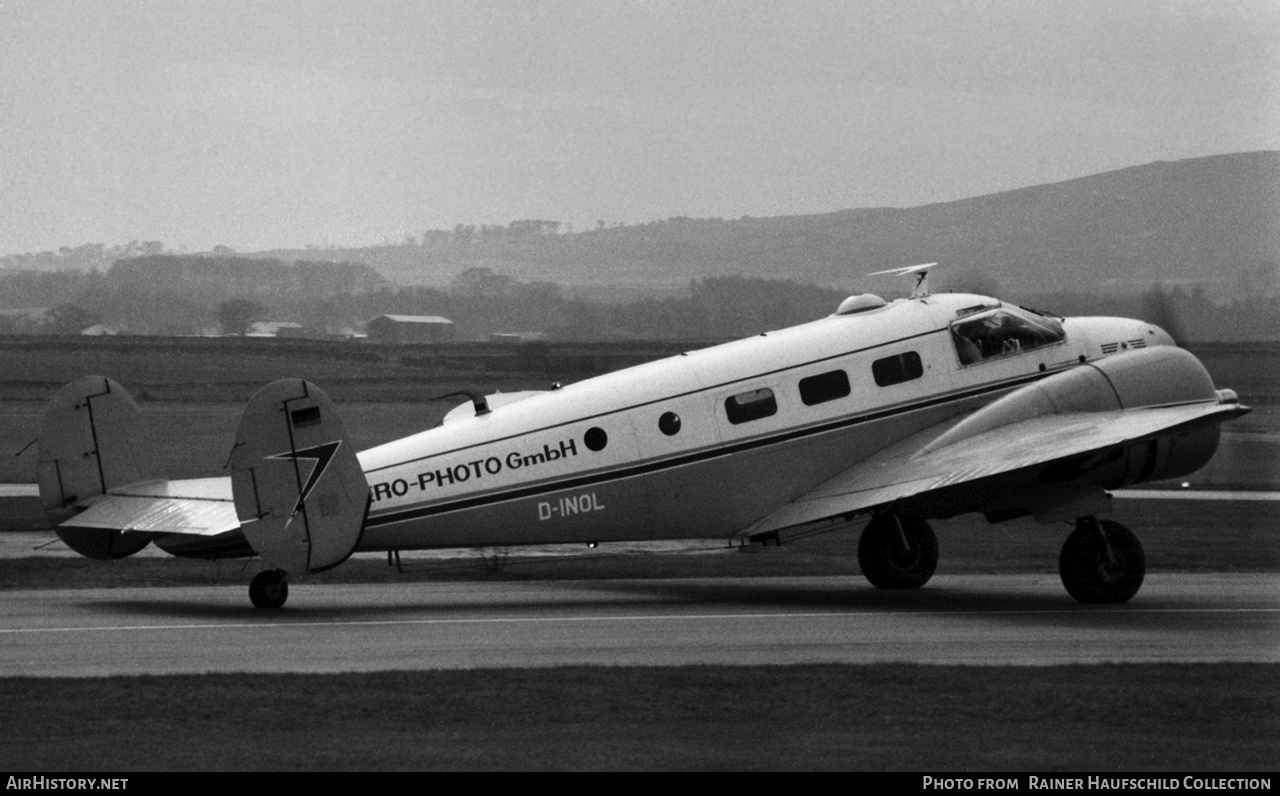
(669, 423)
(595, 438)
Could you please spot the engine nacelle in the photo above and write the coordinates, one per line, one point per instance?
(1176, 454)
(1159, 376)
(1147, 377)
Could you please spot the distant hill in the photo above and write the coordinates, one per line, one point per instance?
(1213, 221)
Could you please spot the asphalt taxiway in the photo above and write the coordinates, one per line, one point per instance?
(961, 619)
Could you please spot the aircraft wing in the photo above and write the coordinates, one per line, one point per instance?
(200, 506)
(1011, 457)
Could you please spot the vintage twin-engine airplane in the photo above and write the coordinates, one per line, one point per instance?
(925, 407)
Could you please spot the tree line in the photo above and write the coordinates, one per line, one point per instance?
(192, 294)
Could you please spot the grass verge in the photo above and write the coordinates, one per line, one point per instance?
(876, 717)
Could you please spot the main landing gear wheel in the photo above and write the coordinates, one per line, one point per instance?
(269, 589)
(898, 552)
(1102, 562)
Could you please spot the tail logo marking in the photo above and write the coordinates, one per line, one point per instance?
(322, 455)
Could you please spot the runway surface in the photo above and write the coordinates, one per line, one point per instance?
(983, 620)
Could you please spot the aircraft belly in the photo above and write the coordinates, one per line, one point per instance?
(691, 501)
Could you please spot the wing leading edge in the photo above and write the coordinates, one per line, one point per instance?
(1054, 454)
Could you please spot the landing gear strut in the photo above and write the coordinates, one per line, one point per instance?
(1102, 562)
(269, 589)
(898, 552)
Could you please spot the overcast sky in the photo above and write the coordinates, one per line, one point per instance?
(268, 124)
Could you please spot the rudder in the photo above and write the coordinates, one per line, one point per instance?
(92, 439)
(299, 490)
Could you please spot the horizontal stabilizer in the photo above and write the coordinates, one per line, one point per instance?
(202, 507)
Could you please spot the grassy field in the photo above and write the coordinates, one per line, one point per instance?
(192, 390)
(897, 717)
(232, 369)
(193, 438)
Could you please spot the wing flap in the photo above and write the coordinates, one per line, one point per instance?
(906, 470)
(201, 507)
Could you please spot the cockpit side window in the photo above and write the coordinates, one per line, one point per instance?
(1002, 332)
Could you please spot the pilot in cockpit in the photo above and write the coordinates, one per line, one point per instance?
(970, 351)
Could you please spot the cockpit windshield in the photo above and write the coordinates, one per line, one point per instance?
(1002, 332)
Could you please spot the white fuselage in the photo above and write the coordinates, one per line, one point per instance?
(706, 443)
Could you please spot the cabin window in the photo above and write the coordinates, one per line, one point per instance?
(596, 438)
(748, 406)
(1003, 332)
(897, 368)
(669, 423)
(824, 387)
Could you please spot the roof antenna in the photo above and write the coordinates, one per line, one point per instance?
(477, 400)
(921, 273)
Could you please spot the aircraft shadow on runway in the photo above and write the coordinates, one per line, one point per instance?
(609, 597)
(1013, 602)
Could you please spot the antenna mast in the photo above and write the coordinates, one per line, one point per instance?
(919, 273)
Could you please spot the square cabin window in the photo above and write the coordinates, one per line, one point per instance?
(748, 406)
(824, 387)
(897, 369)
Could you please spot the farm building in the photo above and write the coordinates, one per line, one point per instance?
(275, 329)
(410, 329)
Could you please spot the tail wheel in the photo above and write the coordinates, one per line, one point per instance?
(898, 552)
(1102, 562)
(268, 590)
